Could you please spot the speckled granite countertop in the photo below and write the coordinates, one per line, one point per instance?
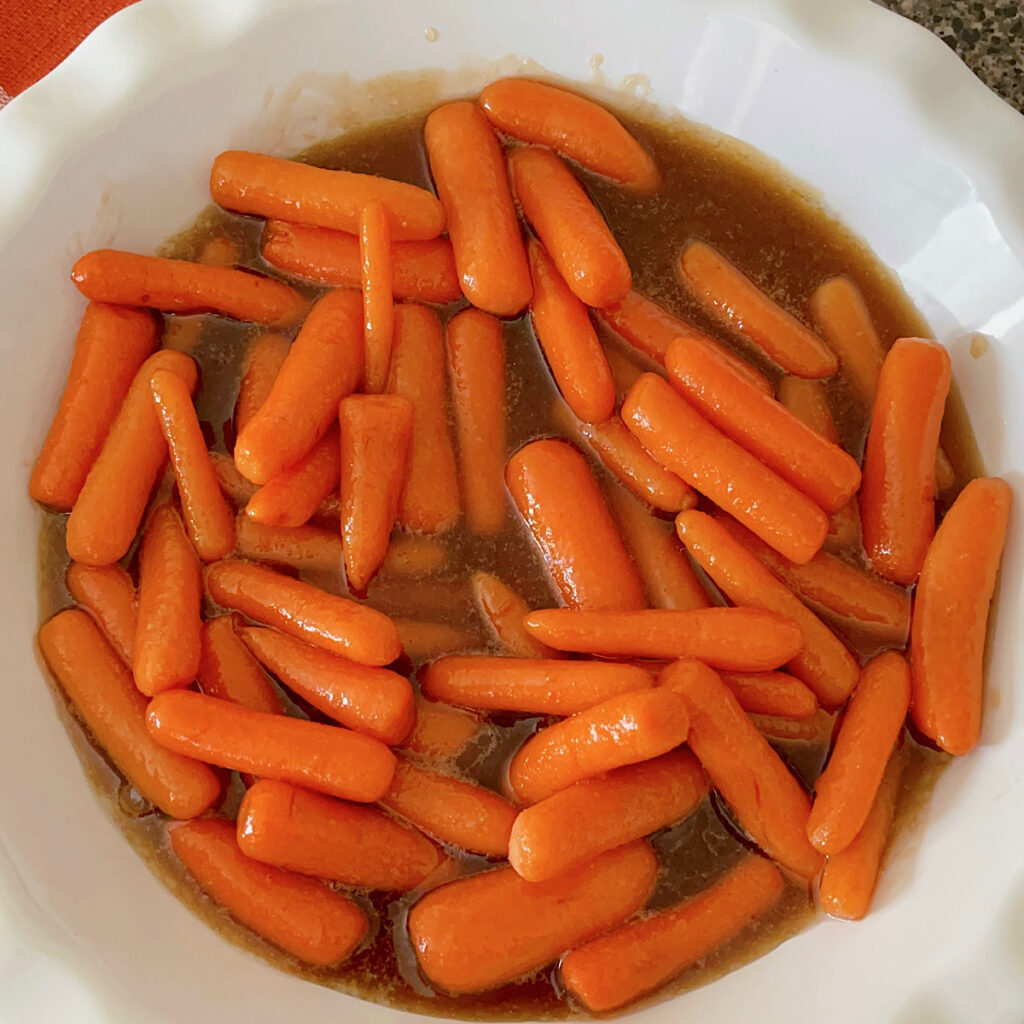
(987, 34)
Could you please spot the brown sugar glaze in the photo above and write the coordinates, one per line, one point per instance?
(715, 190)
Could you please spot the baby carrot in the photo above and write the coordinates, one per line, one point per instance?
(103, 693)
(771, 693)
(623, 730)
(951, 609)
(291, 828)
(324, 758)
(107, 593)
(301, 547)
(112, 344)
(480, 932)
(109, 509)
(228, 670)
(532, 686)
(414, 557)
(367, 699)
(580, 243)
(558, 497)
(823, 663)
(378, 303)
(167, 643)
(728, 295)
(687, 445)
(740, 639)
(269, 186)
(807, 401)
(430, 499)
(472, 184)
(476, 363)
(503, 610)
(183, 333)
(422, 640)
(576, 824)
(302, 916)
(576, 127)
(897, 498)
(265, 354)
(440, 731)
(617, 968)
(236, 488)
(767, 800)
(177, 286)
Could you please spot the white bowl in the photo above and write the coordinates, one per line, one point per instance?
(114, 148)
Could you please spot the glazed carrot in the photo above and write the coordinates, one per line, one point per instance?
(236, 488)
(480, 932)
(459, 813)
(729, 296)
(414, 557)
(112, 344)
(687, 445)
(807, 401)
(503, 610)
(324, 758)
(824, 664)
(430, 499)
(109, 509)
(476, 363)
(301, 547)
(848, 881)
(532, 686)
(766, 799)
(167, 639)
(183, 333)
(229, 671)
(558, 497)
(107, 593)
(422, 640)
(422, 271)
(269, 186)
(334, 623)
(897, 499)
(302, 916)
(291, 828)
(816, 728)
(576, 127)
(623, 730)
(265, 354)
(177, 286)
(572, 229)
(472, 183)
(322, 367)
(576, 824)
(870, 728)
(771, 693)
(361, 697)
(740, 639)
(951, 608)
(378, 303)
(617, 968)
(440, 731)
(103, 693)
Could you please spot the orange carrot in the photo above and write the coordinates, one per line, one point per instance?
(378, 303)
(302, 916)
(291, 828)
(687, 445)
(177, 286)
(472, 183)
(103, 693)
(532, 686)
(771, 693)
(334, 623)
(183, 333)
(897, 499)
(766, 799)
(476, 362)
(824, 664)
(229, 671)
(236, 488)
(269, 186)
(576, 127)
(109, 509)
(265, 354)
(414, 557)
(107, 593)
(440, 731)
(422, 641)
(112, 344)
(167, 642)
(807, 401)
(301, 547)
(576, 824)
(816, 728)
(572, 229)
(951, 608)
(376, 435)
(558, 497)
(430, 500)
(617, 968)
(623, 730)
(422, 271)
(727, 294)
(503, 610)
(324, 758)
(483, 931)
